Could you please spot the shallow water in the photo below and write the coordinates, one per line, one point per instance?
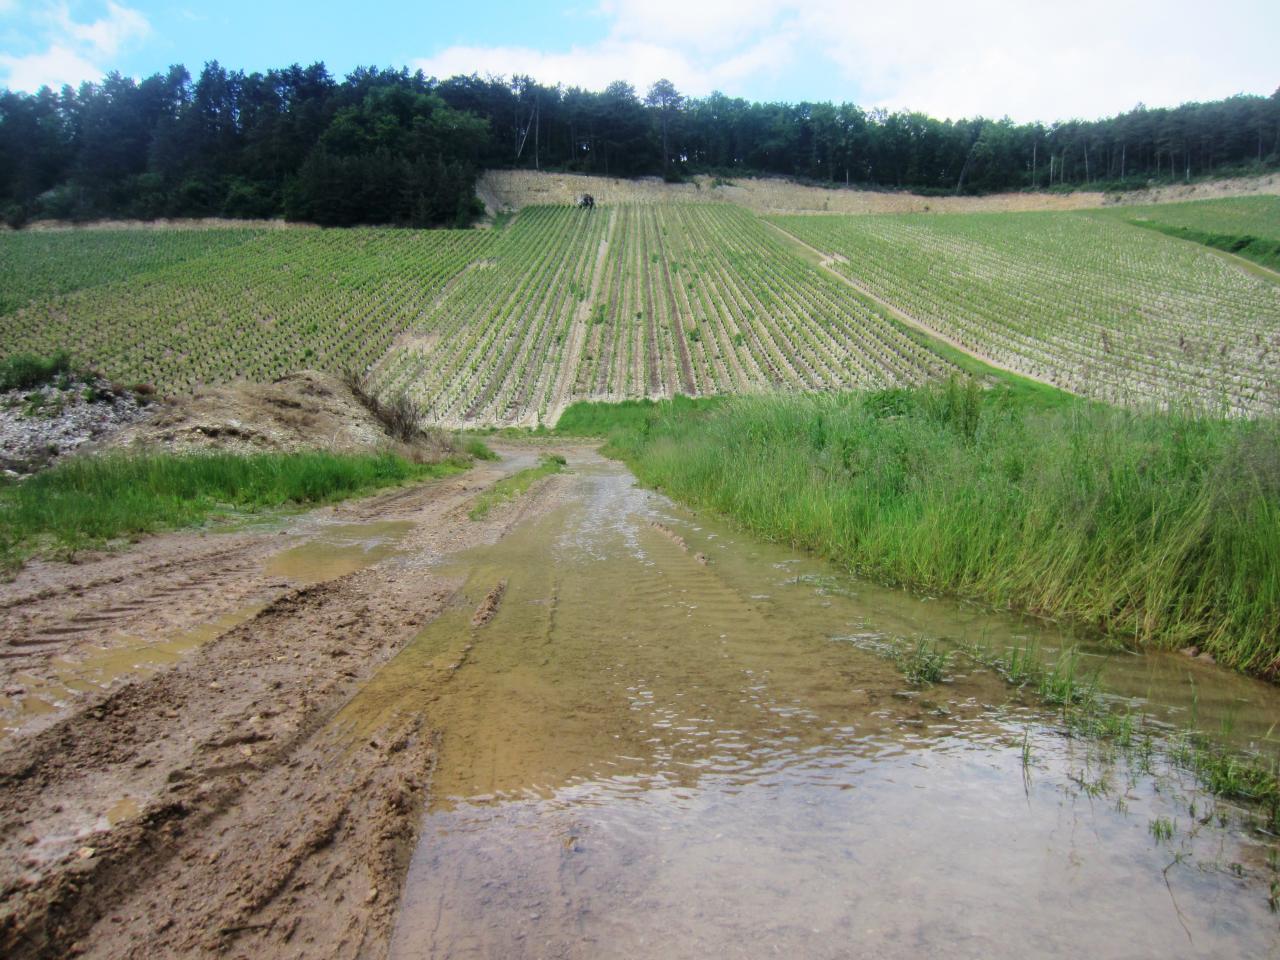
(98, 668)
(337, 549)
(329, 550)
(641, 755)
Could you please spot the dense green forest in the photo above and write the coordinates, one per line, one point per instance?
(388, 146)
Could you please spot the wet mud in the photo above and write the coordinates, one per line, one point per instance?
(592, 725)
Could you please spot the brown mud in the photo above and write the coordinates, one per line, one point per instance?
(168, 785)
(592, 725)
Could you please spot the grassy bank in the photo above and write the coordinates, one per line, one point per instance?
(1261, 250)
(85, 502)
(1164, 528)
(516, 485)
(588, 418)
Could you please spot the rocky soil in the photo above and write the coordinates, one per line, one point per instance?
(306, 410)
(42, 425)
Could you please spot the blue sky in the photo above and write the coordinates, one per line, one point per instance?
(1026, 59)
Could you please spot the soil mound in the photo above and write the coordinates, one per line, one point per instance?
(305, 410)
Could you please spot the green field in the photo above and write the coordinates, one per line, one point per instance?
(1241, 216)
(1081, 300)
(512, 325)
(1247, 226)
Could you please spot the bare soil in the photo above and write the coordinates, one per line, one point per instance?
(303, 411)
(514, 189)
(212, 807)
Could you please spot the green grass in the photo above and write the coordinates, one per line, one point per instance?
(90, 501)
(21, 371)
(516, 485)
(1160, 527)
(599, 419)
(1246, 226)
(477, 449)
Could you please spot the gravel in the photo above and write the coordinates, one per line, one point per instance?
(43, 425)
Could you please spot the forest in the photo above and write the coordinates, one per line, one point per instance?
(385, 146)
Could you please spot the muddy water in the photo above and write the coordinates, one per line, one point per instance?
(329, 550)
(99, 668)
(337, 549)
(644, 755)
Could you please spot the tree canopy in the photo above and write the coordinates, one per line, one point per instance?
(390, 146)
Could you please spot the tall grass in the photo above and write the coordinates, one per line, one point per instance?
(88, 501)
(588, 418)
(1164, 527)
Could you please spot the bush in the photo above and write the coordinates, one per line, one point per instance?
(22, 371)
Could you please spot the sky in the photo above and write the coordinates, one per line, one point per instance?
(1028, 60)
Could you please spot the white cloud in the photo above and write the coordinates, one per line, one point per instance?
(992, 57)
(1032, 62)
(105, 37)
(52, 68)
(77, 51)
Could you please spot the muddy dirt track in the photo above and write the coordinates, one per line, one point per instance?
(595, 724)
(202, 806)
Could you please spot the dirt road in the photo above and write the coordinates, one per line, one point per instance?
(642, 733)
(169, 785)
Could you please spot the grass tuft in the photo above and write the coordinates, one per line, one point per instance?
(923, 663)
(516, 485)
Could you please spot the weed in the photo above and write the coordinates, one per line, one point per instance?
(509, 488)
(923, 662)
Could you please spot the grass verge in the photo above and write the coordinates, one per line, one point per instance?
(1261, 250)
(1161, 527)
(87, 502)
(598, 419)
(509, 488)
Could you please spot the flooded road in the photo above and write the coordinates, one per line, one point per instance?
(672, 741)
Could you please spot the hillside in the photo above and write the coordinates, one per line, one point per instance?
(663, 289)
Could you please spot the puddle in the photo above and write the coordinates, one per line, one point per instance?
(642, 756)
(336, 550)
(99, 668)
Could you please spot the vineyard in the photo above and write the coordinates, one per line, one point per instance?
(482, 327)
(38, 265)
(1081, 300)
(640, 301)
(1237, 216)
(649, 299)
(274, 302)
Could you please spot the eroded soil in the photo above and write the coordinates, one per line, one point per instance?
(168, 784)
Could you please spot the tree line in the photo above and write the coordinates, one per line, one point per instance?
(390, 146)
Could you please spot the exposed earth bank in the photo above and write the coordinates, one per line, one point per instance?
(306, 410)
(210, 807)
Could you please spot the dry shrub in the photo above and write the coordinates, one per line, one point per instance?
(403, 420)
